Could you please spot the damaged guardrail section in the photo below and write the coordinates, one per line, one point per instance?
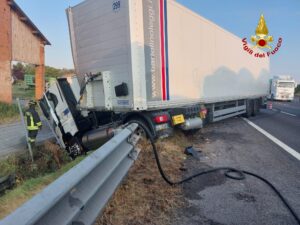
(79, 196)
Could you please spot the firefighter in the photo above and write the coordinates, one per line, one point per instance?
(34, 123)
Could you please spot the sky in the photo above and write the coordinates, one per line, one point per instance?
(237, 16)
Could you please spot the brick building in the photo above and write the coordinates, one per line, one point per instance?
(20, 40)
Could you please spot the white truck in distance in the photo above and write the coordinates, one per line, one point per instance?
(282, 88)
(152, 61)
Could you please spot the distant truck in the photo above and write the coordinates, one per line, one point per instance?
(155, 62)
(282, 88)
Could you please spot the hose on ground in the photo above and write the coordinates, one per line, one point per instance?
(229, 172)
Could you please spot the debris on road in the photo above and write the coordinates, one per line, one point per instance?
(213, 199)
(192, 152)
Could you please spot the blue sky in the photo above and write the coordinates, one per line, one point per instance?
(239, 17)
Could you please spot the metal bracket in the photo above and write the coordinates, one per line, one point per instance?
(133, 140)
(80, 195)
(134, 153)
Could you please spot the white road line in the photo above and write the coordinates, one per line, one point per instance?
(275, 140)
(288, 113)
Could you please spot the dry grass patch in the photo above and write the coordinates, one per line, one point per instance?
(9, 113)
(144, 197)
(27, 189)
(50, 162)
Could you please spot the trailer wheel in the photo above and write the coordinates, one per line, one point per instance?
(249, 108)
(256, 106)
(191, 132)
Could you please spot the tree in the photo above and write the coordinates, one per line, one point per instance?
(30, 69)
(18, 71)
(53, 72)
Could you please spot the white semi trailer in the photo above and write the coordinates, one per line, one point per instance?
(154, 61)
(282, 88)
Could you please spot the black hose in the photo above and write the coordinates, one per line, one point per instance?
(229, 172)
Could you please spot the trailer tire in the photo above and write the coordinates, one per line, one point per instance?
(254, 109)
(191, 132)
(249, 108)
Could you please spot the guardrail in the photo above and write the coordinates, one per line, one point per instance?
(79, 196)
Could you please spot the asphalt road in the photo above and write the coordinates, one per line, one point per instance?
(13, 137)
(283, 122)
(288, 107)
(216, 200)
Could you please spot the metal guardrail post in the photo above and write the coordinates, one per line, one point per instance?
(52, 130)
(25, 128)
(81, 194)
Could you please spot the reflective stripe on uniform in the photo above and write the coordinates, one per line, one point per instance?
(31, 140)
(31, 126)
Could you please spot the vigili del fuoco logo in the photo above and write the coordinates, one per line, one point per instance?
(262, 40)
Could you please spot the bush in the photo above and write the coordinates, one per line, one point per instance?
(48, 158)
(8, 110)
(7, 167)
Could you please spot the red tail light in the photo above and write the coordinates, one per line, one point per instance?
(204, 111)
(161, 119)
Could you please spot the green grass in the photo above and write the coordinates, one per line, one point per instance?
(8, 112)
(23, 192)
(20, 90)
(7, 167)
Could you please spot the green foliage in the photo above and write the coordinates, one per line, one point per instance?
(44, 161)
(20, 90)
(20, 69)
(7, 167)
(48, 158)
(53, 72)
(29, 69)
(8, 110)
(18, 66)
(26, 189)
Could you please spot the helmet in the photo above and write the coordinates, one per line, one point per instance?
(32, 103)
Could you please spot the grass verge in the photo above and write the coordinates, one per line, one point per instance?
(50, 162)
(8, 113)
(23, 92)
(16, 197)
(143, 198)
